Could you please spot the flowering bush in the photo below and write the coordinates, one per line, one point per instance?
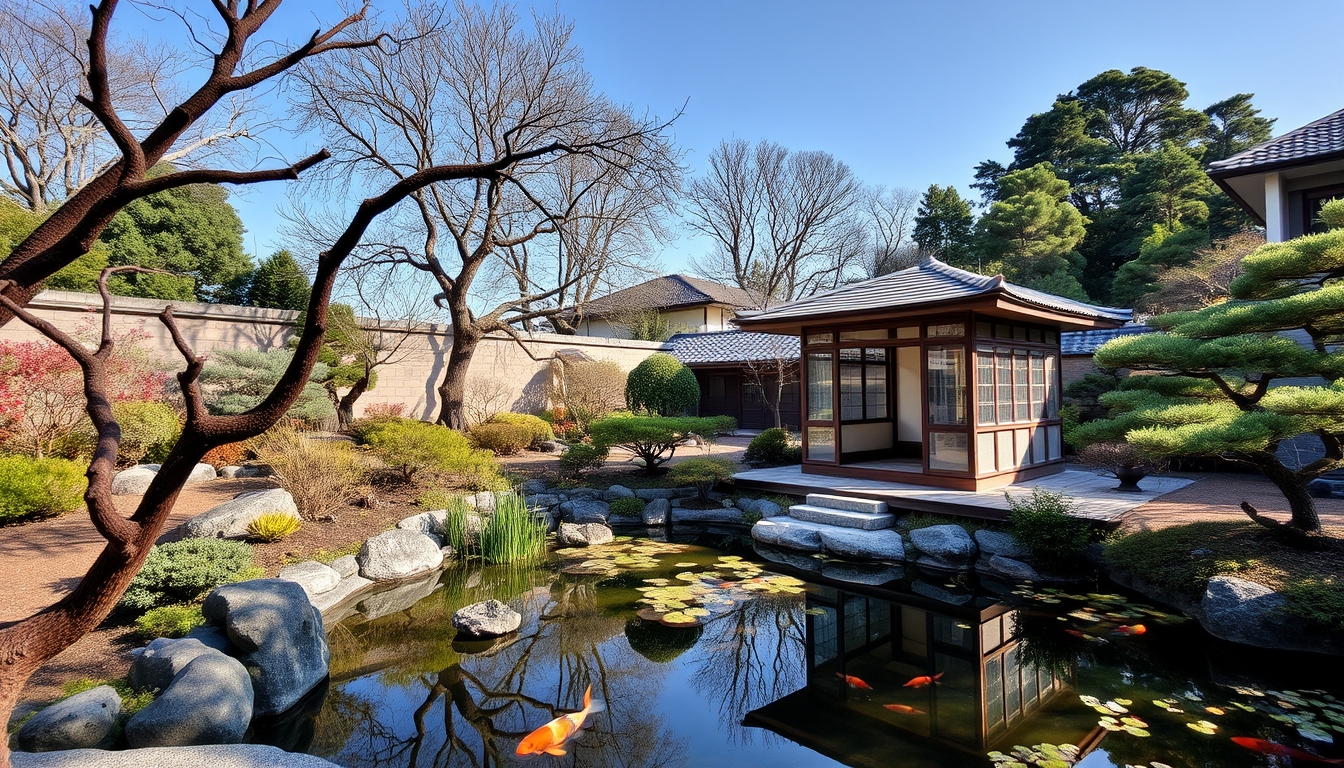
(42, 392)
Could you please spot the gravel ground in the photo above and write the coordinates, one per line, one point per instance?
(1219, 497)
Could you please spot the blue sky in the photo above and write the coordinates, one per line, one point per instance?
(910, 94)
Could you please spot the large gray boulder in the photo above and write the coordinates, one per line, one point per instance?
(398, 554)
(209, 702)
(762, 507)
(135, 480)
(230, 519)
(618, 492)
(202, 473)
(426, 522)
(349, 587)
(649, 494)
(481, 502)
(1008, 568)
(1243, 611)
(278, 635)
(488, 619)
(85, 720)
(864, 545)
(585, 511)
(1000, 543)
(656, 512)
(534, 486)
(345, 566)
(721, 515)
(215, 756)
(945, 542)
(543, 500)
(154, 668)
(314, 577)
(585, 535)
(787, 533)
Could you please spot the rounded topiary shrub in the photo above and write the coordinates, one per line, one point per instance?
(663, 386)
(703, 472)
(537, 427)
(771, 448)
(31, 487)
(501, 439)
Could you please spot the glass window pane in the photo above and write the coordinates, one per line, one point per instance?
(1038, 385)
(984, 386)
(947, 329)
(1005, 386)
(1002, 331)
(1035, 335)
(819, 338)
(984, 330)
(821, 443)
(947, 385)
(1022, 406)
(1051, 388)
(948, 450)
(819, 387)
(876, 333)
(1019, 333)
(851, 385)
(875, 383)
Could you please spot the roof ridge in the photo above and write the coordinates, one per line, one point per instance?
(1228, 162)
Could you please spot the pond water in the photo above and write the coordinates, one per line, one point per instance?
(706, 653)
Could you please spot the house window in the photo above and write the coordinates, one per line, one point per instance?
(820, 338)
(863, 384)
(984, 385)
(1312, 202)
(1015, 385)
(819, 387)
(947, 385)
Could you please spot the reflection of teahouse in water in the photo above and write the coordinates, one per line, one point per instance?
(893, 642)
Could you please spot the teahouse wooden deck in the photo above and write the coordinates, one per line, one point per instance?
(1094, 494)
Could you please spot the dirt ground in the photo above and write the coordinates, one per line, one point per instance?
(1219, 497)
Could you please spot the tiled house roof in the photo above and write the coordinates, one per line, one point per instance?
(732, 347)
(929, 282)
(1312, 143)
(1087, 342)
(669, 292)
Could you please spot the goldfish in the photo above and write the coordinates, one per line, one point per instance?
(920, 682)
(1125, 629)
(903, 709)
(1279, 750)
(551, 737)
(854, 681)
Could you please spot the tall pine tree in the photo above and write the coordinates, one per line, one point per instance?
(943, 226)
(1030, 234)
(279, 283)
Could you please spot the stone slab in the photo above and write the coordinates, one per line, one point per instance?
(843, 518)
(849, 503)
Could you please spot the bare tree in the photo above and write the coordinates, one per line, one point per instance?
(52, 143)
(482, 85)
(784, 224)
(67, 234)
(891, 217)
(1204, 281)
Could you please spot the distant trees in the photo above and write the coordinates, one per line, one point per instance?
(279, 282)
(1031, 232)
(944, 227)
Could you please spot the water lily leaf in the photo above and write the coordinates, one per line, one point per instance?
(1135, 731)
(1116, 707)
(1134, 721)
(678, 618)
(1200, 728)
(1215, 710)
(1125, 702)
(685, 565)
(1110, 726)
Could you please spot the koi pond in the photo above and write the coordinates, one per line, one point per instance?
(704, 652)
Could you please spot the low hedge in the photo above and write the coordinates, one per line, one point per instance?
(183, 571)
(501, 439)
(538, 430)
(655, 439)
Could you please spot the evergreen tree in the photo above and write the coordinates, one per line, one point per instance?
(1031, 232)
(193, 233)
(1234, 125)
(1210, 394)
(279, 283)
(1168, 187)
(943, 226)
(1163, 249)
(1136, 111)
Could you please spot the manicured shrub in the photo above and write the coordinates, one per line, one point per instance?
(661, 385)
(771, 449)
(39, 487)
(591, 389)
(415, 447)
(655, 439)
(513, 533)
(538, 430)
(148, 431)
(629, 506)
(226, 455)
(183, 571)
(1045, 524)
(324, 476)
(169, 621)
(580, 458)
(501, 439)
(703, 472)
(274, 526)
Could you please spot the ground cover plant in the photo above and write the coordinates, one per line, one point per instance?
(629, 506)
(31, 487)
(1183, 558)
(414, 448)
(274, 526)
(169, 621)
(654, 440)
(183, 571)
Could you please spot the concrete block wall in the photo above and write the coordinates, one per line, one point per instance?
(502, 375)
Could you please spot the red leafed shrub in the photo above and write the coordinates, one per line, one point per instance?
(42, 392)
(226, 455)
(385, 411)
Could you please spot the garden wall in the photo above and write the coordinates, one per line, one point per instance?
(502, 376)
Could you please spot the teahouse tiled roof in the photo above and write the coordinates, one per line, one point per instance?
(669, 292)
(1313, 142)
(732, 347)
(929, 282)
(1087, 342)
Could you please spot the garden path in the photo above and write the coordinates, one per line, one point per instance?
(1219, 497)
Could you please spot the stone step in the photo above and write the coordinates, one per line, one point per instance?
(847, 503)
(842, 518)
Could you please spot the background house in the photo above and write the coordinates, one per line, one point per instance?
(739, 375)
(1283, 182)
(688, 304)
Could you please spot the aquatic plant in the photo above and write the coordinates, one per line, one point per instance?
(1042, 755)
(1045, 524)
(513, 533)
(461, 528)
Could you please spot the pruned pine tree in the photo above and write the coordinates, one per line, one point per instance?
(1214, 391)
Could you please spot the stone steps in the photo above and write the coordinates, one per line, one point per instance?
(847, 503)
(843, 518)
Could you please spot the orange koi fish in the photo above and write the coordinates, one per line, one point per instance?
(1281, 750)
(854, 682)
(1124, 629)
(551, 737)
(920, 682)
(903, 709)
